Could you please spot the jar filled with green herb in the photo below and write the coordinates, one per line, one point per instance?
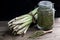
(45, 12)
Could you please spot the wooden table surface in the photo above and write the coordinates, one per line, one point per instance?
(55, 35)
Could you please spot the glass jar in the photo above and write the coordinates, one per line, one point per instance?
(45, 18)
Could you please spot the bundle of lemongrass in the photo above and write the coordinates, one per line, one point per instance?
(20, 25)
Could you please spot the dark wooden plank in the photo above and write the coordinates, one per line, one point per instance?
(3, 27)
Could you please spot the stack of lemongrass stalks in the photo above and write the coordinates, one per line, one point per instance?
(20, 25)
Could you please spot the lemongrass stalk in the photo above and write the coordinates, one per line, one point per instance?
(9, 25)
(26, 29)
(18, 18)
(12, 26)
(36, 16)
(11, 21)
(23, 25)
(25, 20)
(33, 12)
(22, 16)
(16, 27)
(22, 20)
(22, 30)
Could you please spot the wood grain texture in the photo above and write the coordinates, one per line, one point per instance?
(3, 27)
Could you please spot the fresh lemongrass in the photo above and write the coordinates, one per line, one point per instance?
(22, 30)
(33, 12)
(12, 26)
(26, 23)
(26, 29)
(16, 26)
(18, 18)
(11, 21)
(22, 20)
(23, 25)
(18, 22)
(22, 16)
(9, 25)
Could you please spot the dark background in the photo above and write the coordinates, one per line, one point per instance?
(11, 9)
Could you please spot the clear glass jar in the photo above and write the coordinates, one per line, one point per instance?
(45, 18)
